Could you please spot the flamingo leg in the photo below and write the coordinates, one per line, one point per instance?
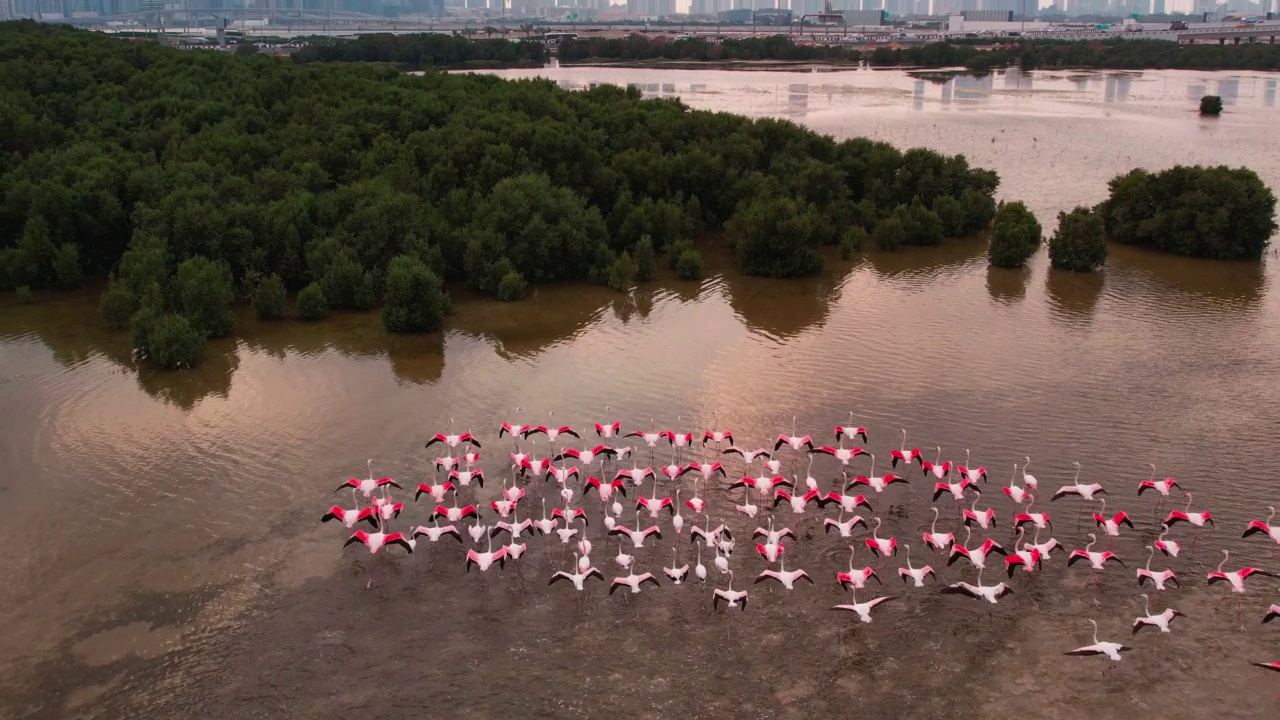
(1194, 540)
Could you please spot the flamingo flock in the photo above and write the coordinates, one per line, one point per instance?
(656, 518)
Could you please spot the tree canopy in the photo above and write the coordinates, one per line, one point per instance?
(1216, 212)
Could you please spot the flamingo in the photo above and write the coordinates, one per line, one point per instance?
(677, 520)
(990, 593)
(446, 463)
(795, 441)
(1273, 612)
(863, 609)
(1255, 526)
(731, 597)
(985, 519)
(877, 483)
(717, 436)
(844, 526)
(623, 559)
(706, 469)
(773, 536)
(939, 469)
(637, 475)
(375, 541)
(638, 535)
(633, 581)
(604, 490)
(485, 560)
(655, 504)
(810, 481)
(972, 473)
(916, 574)
(1161, 486)
(695, 503)
(747, 507)
(676, 574)
(844, 455)
(367, 486)
(1096, 560)
(608, 430)
(453, 441)
(856, 578)
(578, 578)
(708, 535)
(1015, 493)
(515, 549)
(763, 484)
(903, 454)
(477, 531)
(1160, 620)
(515, 529)
(721, 562)
(650, 438)
(1028, 479)
(503, 507)
(513, 429)
(587, 456)
(1237, 577)
(881, 546)
(850, 431)
(470, 458)
(1028, 559)
(349, 518)
(937, 540)
(1168, 547)
(1086, 492)
(1040, 520)
(455, 513)
(568, 532)
(464, 477)
(437, 531)
(678, 440)
(553, 433)
(1268, 666)
(1110, 649)
(700, 570)
(977, 556)
(1197, 519)
(436, 491)
(1157, 577)
(771, 551)
(562, 473)
(955, 489)
(798, 501)
(787, 578)
(748, 456)
(1044, 548)
(545, 525)
(536, 466)
(1111, 525)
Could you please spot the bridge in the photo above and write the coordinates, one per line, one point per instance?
(1235, 35)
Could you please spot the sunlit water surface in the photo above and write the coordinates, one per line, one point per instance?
(165, 560)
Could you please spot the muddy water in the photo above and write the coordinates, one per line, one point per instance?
(164, 557)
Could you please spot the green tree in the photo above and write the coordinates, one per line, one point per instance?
(852, 240)
(66, 266)
(117, 305)
(415, 299)
(675, 250)
(1080, 242)
(246, 48)
(920, 225)
(623, 272)
(32, 262)
(889, 233)
(689, 264)
(269, 298)
(175, 343)
(1211, 105)
(643, 255)
(1015, 236)
(778, 237)
(979, 210)
(25, 296)
(511, 287)
(1217, 212)
(951, 212)
(312, 304)
(203, 293)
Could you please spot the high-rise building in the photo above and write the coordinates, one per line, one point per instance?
(1158, 8)
(6, 10)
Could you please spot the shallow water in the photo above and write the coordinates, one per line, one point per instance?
(165, 559)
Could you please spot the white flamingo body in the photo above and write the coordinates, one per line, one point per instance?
(916, 574)
(1160, 620)
(937, 540)
(863, 609)
(1110, 649)
(855, 578)
(990, 593)
(1158, 577)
